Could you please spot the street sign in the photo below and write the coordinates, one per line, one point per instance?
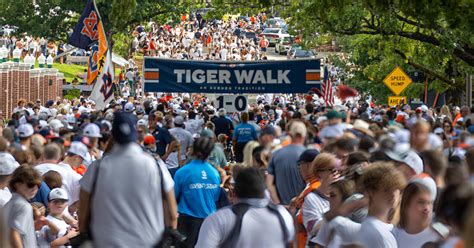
(396, 100)
(231, 103)
(397, 80)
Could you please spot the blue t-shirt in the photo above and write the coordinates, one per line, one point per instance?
(42, 194)
(197, 189)
(245, 132)
(162, 139)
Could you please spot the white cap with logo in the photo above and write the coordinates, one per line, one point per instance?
(58, 194)
(92, 131)
(78, 148)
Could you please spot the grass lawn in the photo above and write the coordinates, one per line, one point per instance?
(72, 71)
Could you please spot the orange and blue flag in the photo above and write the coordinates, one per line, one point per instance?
(89, 33)
(98, 56)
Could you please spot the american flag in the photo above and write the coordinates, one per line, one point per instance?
(326, 87)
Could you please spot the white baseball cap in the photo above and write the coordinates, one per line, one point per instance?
(107, 123)
(298, 128)
(8, 164)
(129, 107)
(428, 182)
(25, 130)
(404, 154)
(92, 130)
(413, 160)
(56, 125)
(78, 148)
(58, 194)
(43, 124)
(321, 119)
(142, 122)
(424, 108)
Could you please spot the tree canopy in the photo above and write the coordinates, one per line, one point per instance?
(431, 37)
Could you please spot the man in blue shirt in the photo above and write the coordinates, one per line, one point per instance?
(243, 133)
(223, 124)
(197, 189)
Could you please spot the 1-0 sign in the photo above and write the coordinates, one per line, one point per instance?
(232, 103)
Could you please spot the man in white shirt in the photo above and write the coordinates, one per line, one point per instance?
(75, 156)
(184, 138)
(254, 213)
(224, 53)
(70, 179)
(194, 123)
(382, 183)
(104, 190)
(7, 166)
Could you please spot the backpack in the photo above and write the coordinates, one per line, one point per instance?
(239, 210)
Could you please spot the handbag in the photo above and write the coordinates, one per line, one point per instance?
(84, 238)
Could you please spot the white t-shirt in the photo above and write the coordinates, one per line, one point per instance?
(255, 230)
(73, 182)
(60, 224)
(194, 126)
(184, 137)
(168, 180)
(327, 237)
(407, 240)
(70, 181)
(314, 207)
(375, 233)
(126, 214)
(224, 54)
(344, 232)
(5, 196)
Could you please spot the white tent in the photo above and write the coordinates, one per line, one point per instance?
(118, 60)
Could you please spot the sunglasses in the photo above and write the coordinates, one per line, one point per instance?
(331, 170)
(32, 185)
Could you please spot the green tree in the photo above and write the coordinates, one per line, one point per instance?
(45, 18)
(432, 37)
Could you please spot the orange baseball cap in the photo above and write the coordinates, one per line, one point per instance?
(149, 139)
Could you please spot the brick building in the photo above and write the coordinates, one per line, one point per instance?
(18, 81)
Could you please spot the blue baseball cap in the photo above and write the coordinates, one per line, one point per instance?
(124, 128)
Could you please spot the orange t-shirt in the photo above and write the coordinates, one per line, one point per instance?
(80, 170)
(264, 43)
(301, 234)
(458, 116)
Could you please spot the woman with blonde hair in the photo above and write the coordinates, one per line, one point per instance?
(444, 112)
(326, 171)
(248, 151)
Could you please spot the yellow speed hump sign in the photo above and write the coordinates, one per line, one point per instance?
(397, 81)
(396, 100)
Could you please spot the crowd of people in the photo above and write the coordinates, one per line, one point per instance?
(196, 39)
(174, 169)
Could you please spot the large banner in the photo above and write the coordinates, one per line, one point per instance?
(236, 77)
